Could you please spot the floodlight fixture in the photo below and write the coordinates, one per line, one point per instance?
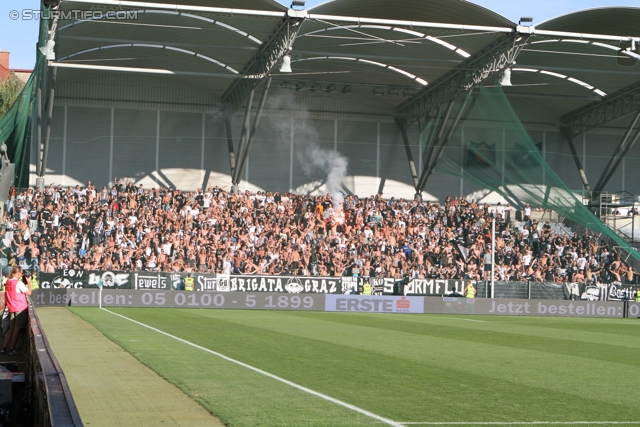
(285, 67)
(347, 90)
(316, 87)
(297, 3)
(393, 92)
(301, 87)
(505, 80)
(48, 50)
(378, 91)
(526, 20)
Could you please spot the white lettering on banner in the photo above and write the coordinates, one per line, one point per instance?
(150, 282)
(207, 283)
(388, 285)
(621, 292)
(108, 279)
(349, 284)
(374, 304)
(292, 285)
(61, 283)
(432, 286)
(78, 274)
(58, 299)
(510, 308)
(587, 309)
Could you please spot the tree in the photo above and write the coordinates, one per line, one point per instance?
(9, 90)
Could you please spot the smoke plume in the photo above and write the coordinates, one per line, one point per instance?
(310, 154)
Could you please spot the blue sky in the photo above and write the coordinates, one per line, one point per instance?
(20, 36)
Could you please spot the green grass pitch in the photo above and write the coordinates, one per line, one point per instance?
(411, 369)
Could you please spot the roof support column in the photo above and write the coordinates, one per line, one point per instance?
(428, 171)
(433, 143)
(38, 135)
(232, 154)
(407, 149)
(243, 135)
(617, 156)
(576, 159)
(45, 152)
(254, 128)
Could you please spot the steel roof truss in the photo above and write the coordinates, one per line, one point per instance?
(263, 62)
(493, 59)
(617, 105)
(618, 154)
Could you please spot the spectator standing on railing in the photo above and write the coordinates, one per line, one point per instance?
(16, 293)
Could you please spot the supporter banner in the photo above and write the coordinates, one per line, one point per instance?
(374, 304)
(210, 282)
(351, 285)
(430, 287)
(619, 292)
(85, 279)
(175, 281)
(147, 280)
(291, 285)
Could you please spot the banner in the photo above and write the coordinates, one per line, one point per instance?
(374, 304)
(291, 285)
(620, 292)
(431, 287)
(351, 285)
(481, 154)
(333, 303)
(177, 299)
(79, 279)
(523, 158)
(211, 282)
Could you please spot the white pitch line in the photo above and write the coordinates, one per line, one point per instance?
(468, 320)
(275, 377)
(515, 423)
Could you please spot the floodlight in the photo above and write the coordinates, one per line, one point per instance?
(623, 59)
(378, 91)
(301, 87)
(526, 20)
(285, 67)
(393, 92)
(48, 50)
(316, 87)
(505, 80)
(298, 3)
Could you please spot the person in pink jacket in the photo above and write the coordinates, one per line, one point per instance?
(16, 293)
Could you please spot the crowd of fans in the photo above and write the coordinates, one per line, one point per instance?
(129, 227)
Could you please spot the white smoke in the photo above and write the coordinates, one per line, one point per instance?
(310, 154)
